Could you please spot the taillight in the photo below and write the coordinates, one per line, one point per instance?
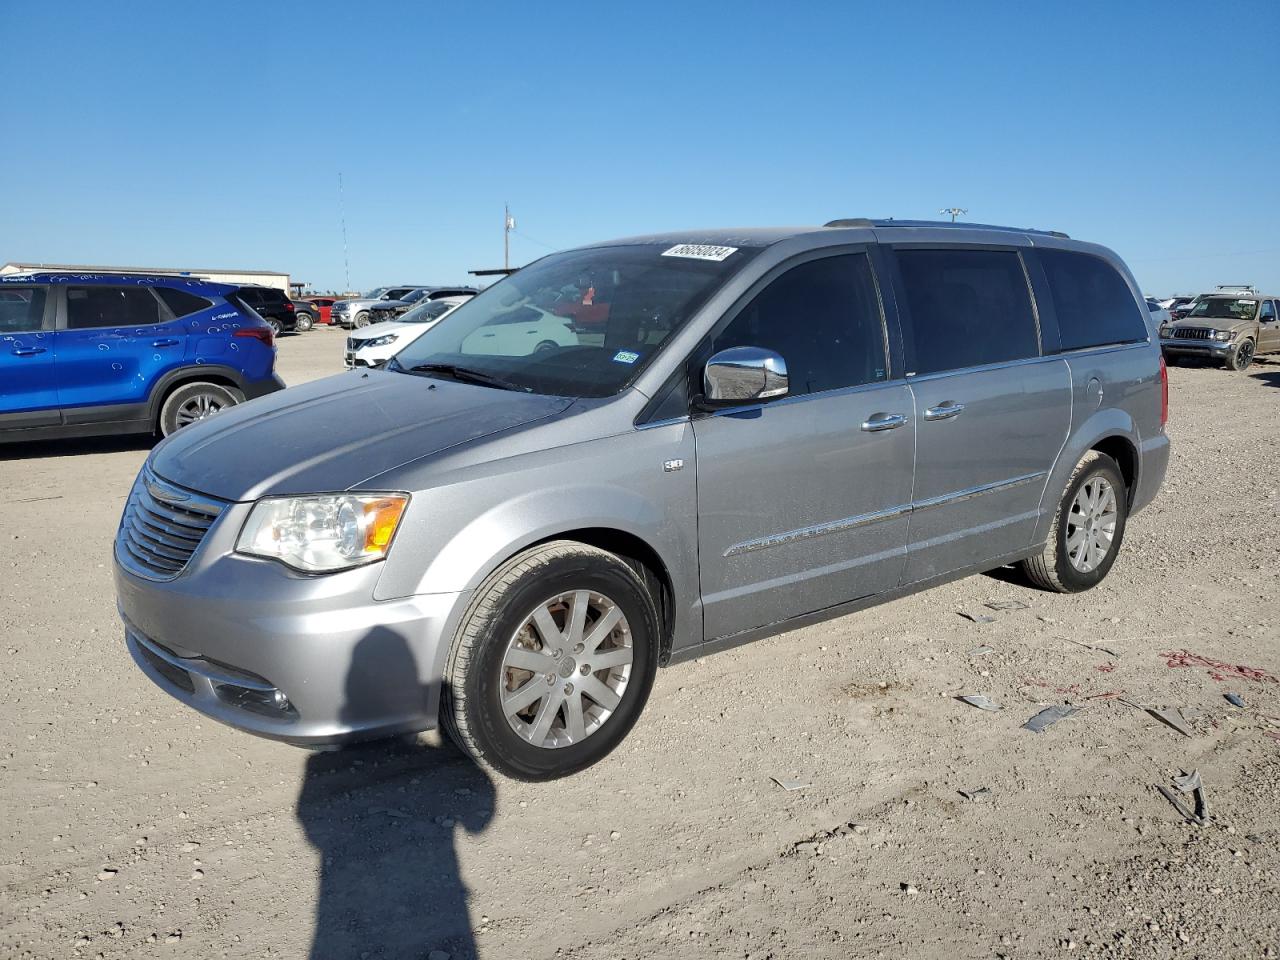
(1164, 391)
(289, 306)
(264, 334)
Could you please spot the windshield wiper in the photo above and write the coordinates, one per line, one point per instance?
(467, 375)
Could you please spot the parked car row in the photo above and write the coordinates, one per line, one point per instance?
(377, 343)
(1230, 326)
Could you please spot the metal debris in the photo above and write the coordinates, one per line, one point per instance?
(977, 617)
(981, 651)
(1048, 716)
(1171, 718)
(979, 701)
(1234, 699)
(1184, 784)
(1090, 646)
(977, 793)
(1009, 605)
(791, 785)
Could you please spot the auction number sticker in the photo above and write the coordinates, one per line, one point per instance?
(700, 251)
(626, 356)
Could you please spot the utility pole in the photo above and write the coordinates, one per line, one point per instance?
(508, 224)
(954, 211)
(342, 213)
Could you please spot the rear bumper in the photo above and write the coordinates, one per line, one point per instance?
(260, 388)
(1153, 464)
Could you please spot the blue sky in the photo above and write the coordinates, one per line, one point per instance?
(140, 135)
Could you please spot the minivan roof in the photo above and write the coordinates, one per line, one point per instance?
(766, 236)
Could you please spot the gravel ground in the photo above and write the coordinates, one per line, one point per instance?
(133, 827)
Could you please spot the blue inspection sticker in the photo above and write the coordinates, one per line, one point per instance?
(625, 356)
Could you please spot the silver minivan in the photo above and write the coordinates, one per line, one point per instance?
(699, 439)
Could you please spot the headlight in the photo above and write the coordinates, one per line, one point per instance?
(1166, 332)
(377, 341)
(1223, 335)
(323, 533)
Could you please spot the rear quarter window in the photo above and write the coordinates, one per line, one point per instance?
(1094, 305)
(182, 303)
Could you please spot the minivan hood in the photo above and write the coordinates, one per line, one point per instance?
(332, 434)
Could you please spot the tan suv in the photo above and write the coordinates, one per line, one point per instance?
(1231, 328)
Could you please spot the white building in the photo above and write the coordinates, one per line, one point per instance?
(267, 278)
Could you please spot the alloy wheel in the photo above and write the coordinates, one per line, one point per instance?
(1091, 524)
(566, 668)
(199, 407)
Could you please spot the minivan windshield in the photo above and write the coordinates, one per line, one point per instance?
(583, 323)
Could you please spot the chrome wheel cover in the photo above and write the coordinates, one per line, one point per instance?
(199, 407)
(566, 668)
(1091, 524)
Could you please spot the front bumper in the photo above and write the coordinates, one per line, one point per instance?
(307, 660)
(1217, 349)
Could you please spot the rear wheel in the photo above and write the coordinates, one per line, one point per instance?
(193, 402)
(553, 662)
(305, 322)
(1087, 529)
(1240, 358)
(275, 325)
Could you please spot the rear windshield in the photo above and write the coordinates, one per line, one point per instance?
(582, 323)
(1225, 308)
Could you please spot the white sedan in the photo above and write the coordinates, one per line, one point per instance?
(374, 345)
(519, 333)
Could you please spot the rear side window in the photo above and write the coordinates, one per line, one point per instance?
(823, 319)
(182, 303)
(22, 308)
(1094, 304)
(89, 307)
(966, 308)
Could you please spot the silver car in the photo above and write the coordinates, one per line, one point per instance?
(757, 429)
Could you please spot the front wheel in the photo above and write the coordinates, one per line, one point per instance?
(362, 318)
(1240, 358)
(553, 662)
(192, 402)
(1087, 529)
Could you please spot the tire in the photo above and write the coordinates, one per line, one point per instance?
(304, 322)
(1056, 568)
(362, 319)
(1240, 358)
(545, 346)
(192, 402)
(276, 327)
(500, 623)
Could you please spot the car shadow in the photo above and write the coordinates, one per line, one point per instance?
(1270, 377)
(1010, 573)
(384, 818)
(45, 449)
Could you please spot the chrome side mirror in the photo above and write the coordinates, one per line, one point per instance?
(743, 374)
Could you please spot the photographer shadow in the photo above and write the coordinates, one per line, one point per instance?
(384, 818)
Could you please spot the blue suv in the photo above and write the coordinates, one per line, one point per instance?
(84, 355)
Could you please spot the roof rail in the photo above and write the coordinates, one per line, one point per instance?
(865, 222)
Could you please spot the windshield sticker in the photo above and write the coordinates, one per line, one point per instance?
(1248, 303)
(700, 251)
(625, 356)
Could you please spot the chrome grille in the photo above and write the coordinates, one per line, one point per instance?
(1192, 333)
(162, 526)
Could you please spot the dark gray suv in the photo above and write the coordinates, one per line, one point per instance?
(766, 427)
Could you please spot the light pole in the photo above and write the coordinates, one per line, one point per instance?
(508, 224)
(954, 211)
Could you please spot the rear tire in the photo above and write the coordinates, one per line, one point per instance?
(276, 327)
(1240, 358)
(1071, 561)
(575, 708)
(305, 322)
(193, 402)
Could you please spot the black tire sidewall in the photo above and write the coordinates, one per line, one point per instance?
(1070, 577)
(503, 747)
(168, 419)
(1234, 361)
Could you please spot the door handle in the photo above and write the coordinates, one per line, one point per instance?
(27, 351)
(944, 411)
(164, 343)
(883, 421)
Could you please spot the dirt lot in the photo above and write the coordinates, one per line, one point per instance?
(132, 827)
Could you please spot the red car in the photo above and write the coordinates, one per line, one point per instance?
(324, 307)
